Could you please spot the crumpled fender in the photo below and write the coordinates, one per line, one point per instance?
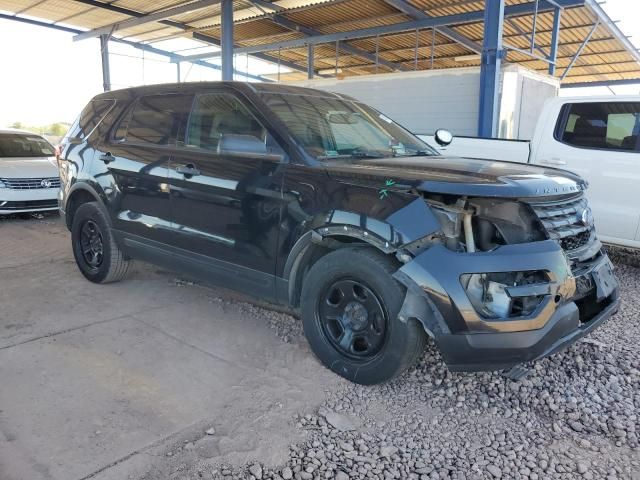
(413, 221)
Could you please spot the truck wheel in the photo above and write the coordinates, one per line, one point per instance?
(350, 304)
(98, 256)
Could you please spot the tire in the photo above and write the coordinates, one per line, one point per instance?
(98, 257)
(375, 351)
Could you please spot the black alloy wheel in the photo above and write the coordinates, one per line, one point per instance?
(350, 304)
(352, 319)
(91, 244)
(97, 254)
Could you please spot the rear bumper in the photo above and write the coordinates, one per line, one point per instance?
(498, 351)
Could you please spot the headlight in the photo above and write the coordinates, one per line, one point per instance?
(506, 295)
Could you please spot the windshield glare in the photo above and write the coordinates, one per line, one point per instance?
(23, 145)
(333, 128)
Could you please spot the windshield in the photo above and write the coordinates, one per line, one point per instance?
(329, 127)
(24, 145)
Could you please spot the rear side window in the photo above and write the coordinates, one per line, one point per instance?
(90, 117)
(609, 126)
(154, 119)
(23, 146)
(218, 114)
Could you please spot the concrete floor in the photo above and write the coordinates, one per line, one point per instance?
(97, 380)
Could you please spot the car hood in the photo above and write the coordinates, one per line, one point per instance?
(457, 176)
(31, 167)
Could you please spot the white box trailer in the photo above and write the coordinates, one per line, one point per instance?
(426, 100)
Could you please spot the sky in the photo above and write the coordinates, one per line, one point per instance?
(45, 77)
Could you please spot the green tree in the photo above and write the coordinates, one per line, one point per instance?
(57, 129)
(17, 125)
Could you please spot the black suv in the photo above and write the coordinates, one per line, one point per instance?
(316, 201)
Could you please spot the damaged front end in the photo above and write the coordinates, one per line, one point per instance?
(505, 281)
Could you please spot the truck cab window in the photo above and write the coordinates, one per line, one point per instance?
(609, 126)
(217, 114)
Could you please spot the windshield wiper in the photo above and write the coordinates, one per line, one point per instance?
(357, 154)
(418, 153)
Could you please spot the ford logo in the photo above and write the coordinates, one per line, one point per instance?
(46, 183)
(586, 217)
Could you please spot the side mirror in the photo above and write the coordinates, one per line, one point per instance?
(443, 137)
(246, 146)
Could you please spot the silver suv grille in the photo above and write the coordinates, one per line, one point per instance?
(570, 222)
(31, 183)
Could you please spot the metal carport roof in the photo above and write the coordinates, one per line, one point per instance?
(372, 35)
(368, 35)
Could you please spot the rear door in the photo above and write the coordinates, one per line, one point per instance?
(226, 208)
(600, 141)
(131, 165)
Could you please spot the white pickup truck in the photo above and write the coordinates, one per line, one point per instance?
(595, 137)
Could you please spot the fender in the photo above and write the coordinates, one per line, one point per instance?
(413, 221)
(91, 190)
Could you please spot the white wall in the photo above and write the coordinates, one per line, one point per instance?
(424, 101)
(421, 101)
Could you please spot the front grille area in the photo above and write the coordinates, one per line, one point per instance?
(576, 241)
(31, 183)
(28, 205)
(564, 221)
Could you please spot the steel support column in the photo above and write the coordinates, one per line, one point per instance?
(555, 36)
(492, 54)
(311, 60)
(104, 53)
(227, 40)
(178, 74)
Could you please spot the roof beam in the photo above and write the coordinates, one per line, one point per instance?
(181, 26)
(140, 46)
(448, 32)
(146, 18)
(613, 27)
(603, 83)
(345, 47)
(433, 22)
(584, 44)
(264, 5)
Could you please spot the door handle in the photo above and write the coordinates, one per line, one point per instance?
(188, 170)
(107, 157)
(554, 161)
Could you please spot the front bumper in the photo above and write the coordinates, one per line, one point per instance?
(36, 200)
(468, 342)
(500, 351)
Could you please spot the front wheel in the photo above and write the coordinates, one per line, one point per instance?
(96, 252)
(350, 304)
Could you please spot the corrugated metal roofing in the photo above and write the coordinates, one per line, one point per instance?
(606, 57)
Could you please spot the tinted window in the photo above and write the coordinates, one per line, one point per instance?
(217, 114)
(154, 119)
(612, 126)
(24, 145)
(330, 127)
(92, 114)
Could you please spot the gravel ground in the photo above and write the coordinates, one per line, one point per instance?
(574, 416)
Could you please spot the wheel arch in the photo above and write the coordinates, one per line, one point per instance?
(316, 243)
(79, 194)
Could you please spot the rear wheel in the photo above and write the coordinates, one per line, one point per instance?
(97, 255)
(350, 304)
